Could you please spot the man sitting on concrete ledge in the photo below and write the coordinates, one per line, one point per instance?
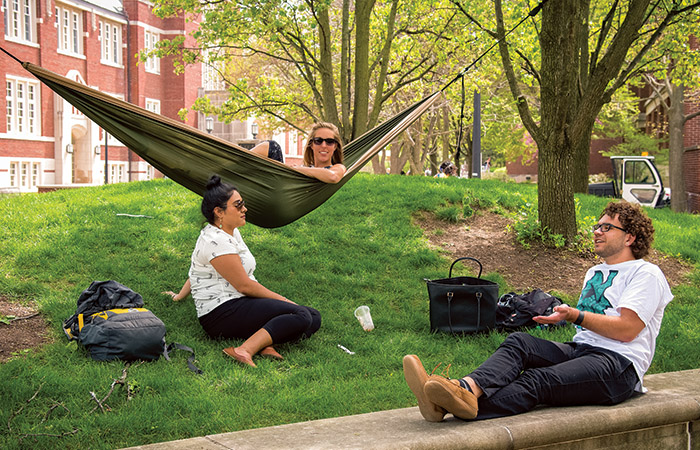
(618, 317)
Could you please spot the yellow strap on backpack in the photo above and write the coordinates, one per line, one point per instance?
(105, 314)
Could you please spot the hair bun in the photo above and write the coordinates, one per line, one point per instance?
(213, 182)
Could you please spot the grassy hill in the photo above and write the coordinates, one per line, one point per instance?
(359, 248)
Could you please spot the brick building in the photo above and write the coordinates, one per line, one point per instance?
(44, 141)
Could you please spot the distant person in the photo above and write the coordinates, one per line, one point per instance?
(446, 170)
(618, 318)
(487, 164)
(230, 302)
(323, 153)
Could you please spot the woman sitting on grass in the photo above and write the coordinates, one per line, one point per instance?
(323, 154)
(230, 302)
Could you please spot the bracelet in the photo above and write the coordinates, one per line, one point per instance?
(579, 319)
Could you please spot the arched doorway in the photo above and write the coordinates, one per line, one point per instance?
(82, 157)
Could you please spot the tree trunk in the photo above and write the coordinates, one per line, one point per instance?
(363, 11)
(399, 156)
(555, 200)
(345, 72)
(360, 122)
(415, 160)
(581, 162)
(575, 84)
(560, 27)
(679, 201)
(445, 132)
(330, 110)
(466, 150)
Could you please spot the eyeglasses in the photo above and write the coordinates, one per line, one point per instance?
(239, 204)
(319, 141)
(605, 227)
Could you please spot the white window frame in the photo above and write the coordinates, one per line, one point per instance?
(22, 107)
(23, 174)
(151, 38)
(153, 105)
(69, 30)
(14, 179)
(117, 173)
(35, 174)
(20, 20)
(211, 77)
(110, 37)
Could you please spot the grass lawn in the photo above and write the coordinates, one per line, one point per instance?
(359, 248)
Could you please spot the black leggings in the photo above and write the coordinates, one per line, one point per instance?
(242, 317)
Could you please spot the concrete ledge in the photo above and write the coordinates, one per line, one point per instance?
(661, 419)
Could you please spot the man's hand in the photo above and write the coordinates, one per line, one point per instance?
(561, 312)
(623, 328)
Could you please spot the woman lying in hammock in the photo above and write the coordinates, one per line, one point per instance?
(230, 303)
(323, 154)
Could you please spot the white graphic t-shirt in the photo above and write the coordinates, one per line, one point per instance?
(209, 288)
(636, 285)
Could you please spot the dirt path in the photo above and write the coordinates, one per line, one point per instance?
(485, 238)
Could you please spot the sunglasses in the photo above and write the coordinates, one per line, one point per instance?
(239, 204)
(319, 141)
(605, 227)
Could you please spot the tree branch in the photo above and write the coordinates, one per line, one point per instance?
(604, 30)
(522, 104)
(67, 433)
(691, 116)
(121, 381)
(470, 17)
(15, 413)
(655, 87)
(529, 67)
(19, 318)
(658, 32)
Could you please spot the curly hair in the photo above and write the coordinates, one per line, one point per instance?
(337, 154)
(635, 221)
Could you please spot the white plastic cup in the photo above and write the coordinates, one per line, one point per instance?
(365, 318)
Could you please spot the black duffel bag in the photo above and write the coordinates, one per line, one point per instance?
(462, 304)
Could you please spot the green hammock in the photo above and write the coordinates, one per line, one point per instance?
(275, 194)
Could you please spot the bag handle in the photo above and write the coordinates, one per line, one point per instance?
(463, 258)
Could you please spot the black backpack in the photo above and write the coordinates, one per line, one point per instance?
(515, 311)
(111, 323)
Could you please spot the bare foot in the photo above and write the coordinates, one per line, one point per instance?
(241, 357)
(270, 352)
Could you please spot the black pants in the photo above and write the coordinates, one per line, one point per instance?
(526, 371)
(241, 317)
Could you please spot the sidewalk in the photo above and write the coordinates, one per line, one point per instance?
(662, 418)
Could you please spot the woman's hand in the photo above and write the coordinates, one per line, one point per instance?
(172, 294)
(184, 292)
